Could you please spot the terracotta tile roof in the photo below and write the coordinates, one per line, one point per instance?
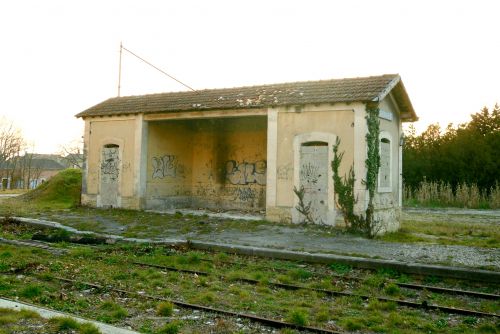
(296, 93)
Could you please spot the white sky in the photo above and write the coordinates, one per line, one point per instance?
(59, 57)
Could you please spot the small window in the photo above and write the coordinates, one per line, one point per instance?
(384, 177)
(315, 143)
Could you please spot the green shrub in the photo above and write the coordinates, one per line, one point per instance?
(65, 323)
(299, 274)
(31, 291)
(298, 317)
(165, 309)
(112, 312)
(392, 289)
(170, 328)
(88, 328)
(340, 268)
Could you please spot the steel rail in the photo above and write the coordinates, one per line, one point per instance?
(422, 305)
(476, 294)
(34, 244)
(59, 251)
(449, 291)
(270, 322)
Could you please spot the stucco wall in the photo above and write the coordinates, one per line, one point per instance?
(207, 163)
(386, 200)
(169, 162)
(103, 131)
(313, 123)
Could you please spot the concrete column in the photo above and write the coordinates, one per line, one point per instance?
(360, 131)
(86, 145)
(272, 155)
(400, 166)
(140, 160)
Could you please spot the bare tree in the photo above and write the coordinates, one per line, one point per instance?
(28, 170)
(11, 144)
(72, 154)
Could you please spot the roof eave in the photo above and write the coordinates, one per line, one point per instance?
(396, 86)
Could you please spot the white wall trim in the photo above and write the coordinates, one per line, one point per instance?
(140, 157)
(360, 153)
(272, 156)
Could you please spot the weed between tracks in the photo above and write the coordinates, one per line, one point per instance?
(30, 275)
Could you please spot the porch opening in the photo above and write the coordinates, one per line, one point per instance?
(216, 163)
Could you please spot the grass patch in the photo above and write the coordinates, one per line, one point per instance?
(171, 328)
(111, 312)
(31, 291)
(165, 309)
(340, 268)
(446, 233)
(298, 317)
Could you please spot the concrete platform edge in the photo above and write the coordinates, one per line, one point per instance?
(359, 262)
(47, 314)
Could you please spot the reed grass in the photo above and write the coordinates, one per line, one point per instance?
(440, 194)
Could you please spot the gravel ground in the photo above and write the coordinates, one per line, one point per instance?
(303, 239)
(292, 239)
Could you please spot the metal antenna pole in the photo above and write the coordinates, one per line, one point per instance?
(120, 69)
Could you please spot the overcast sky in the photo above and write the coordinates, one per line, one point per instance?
(59, 57)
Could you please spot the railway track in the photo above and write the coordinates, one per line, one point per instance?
(59, 251)
(413, 286)
(425, 305)
(422, 305)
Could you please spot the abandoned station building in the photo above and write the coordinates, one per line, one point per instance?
(245, 148)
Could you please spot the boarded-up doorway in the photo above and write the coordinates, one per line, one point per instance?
(110, 175)
(314, 178)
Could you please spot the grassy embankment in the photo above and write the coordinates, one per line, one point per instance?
(60, 192)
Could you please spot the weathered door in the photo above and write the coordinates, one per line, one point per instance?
(314, 178)
(110, 175)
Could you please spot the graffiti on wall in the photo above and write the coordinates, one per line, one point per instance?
(285, 172)
(167, 165)
(246, 172)
(309, 173)
(244, 194)
(110, 164)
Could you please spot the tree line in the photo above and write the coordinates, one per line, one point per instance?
(466, 154)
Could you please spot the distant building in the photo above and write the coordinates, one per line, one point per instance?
(29, 171)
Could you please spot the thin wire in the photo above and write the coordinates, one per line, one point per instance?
(158, 69)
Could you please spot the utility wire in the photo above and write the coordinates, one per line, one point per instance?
(156, 68)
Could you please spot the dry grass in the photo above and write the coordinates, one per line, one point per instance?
(442, 195)
(447, 233)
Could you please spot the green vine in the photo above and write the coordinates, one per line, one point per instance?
(372, 163)
(344, 186)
